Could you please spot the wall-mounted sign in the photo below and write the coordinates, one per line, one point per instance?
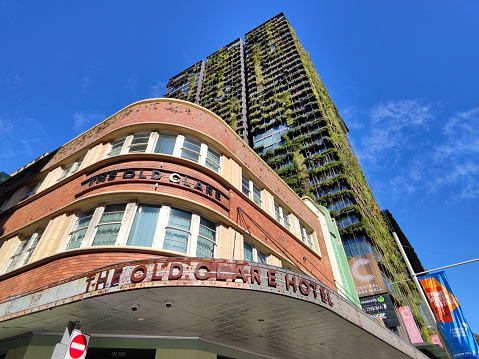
(381, 306)
(174, 272)
(156, 177)
(367, 276)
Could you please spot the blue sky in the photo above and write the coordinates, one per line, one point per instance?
(404, 76)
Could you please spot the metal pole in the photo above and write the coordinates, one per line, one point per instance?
(421, 293)
(449, 266)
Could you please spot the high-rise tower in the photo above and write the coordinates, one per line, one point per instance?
(296, 128)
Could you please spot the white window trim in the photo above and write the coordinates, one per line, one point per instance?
(127, 222)
(74, 168)
(256, 257)
(177, 151)
(21, 258)
(251, 188)
(307, 234)
(282, 214)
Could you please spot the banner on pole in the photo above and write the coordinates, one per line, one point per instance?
(410, 324)
(451, 320)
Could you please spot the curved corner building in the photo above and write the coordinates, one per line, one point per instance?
(165, 236)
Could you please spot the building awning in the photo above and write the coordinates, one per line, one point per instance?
(254, 308)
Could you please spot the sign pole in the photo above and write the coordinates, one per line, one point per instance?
(421, 292)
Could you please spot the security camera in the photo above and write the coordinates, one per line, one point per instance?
(134, 307)
(168, 303)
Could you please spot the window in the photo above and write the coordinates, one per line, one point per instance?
(253, 254)
(250, 189)
(347, 220)
(340, 204)
(24, 250)
(109, 225)
(191, 149)
(70, 169)
(139, 142)
(357, 246)
(31, 190)
(306, 237)
(213, 160)
(282, 216)
(116, 147)
(169, 144)
(177, 231)
(143, 230)
(165, 144)
(145, 225)
(79, 231)
(206, 239)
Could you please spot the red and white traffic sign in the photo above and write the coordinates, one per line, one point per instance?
(78, 345)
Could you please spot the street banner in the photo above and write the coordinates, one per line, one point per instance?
(410, 324)
(451, 320)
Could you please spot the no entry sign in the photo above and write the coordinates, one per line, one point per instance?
(78, 345)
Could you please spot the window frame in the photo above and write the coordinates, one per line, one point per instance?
(251, 188)
(71, 169)
(257, 254)
(204, 154)
(126, 227)
(23, 251)
(307, 237)
(282, 216)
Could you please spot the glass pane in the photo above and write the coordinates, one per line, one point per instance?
(179, 219)
(261, 257)
(245, 186)
(165, 144)
(76, 239)
(277, 212)
(116, 147)
(248, 252)
(191, 149)
(144, 226)
(256, 195)
(139, 143)
(113, 213)
(205, 248)
(84, 220)
(213, 160)
(193, 156)
(207, 229)
(106, 234)
(192, 145)
(176, 240)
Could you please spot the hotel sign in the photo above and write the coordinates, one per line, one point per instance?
(173, 272)
(194, 272)
(156, 177)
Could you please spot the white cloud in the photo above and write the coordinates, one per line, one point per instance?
(392, 128)
(21, 137)
(158, 89)
(132, 85)
(408, 159)
(351, 116)
(14, 83)
(462, 135)
(82, 121)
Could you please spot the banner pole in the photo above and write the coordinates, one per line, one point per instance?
(421, 293)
